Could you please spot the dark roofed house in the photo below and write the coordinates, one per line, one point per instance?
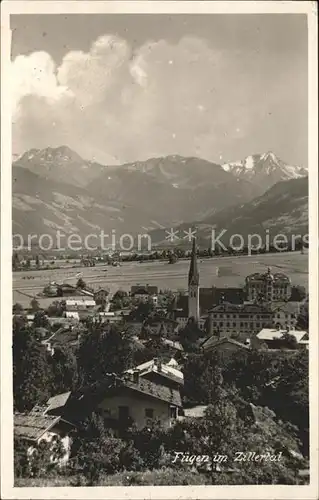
(141, 401)
(224, 345)
(144, 292)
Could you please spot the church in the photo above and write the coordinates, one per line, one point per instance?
(198, 301)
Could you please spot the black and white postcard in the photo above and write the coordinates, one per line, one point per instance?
(159, 250)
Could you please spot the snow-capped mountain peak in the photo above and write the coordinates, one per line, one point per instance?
(264, 169)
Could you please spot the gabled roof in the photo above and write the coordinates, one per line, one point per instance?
(32, 426)
(213, 342)
(157, 391)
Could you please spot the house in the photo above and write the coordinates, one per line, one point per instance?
(270, 287)
(109, 317)
(181, 312)
(232, 295)
(285, 314)
(100, 296)
(35, 427)
(156, 371)
(140, 401)
(65, 336)
(59, 321)
(80, 303)
(72, 314)
(243, 320)
(224, 345)
(173, 344)
(272, 337)
(122, 401)
(162, 325)
(145, 293)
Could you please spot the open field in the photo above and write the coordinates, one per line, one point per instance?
(218, 271)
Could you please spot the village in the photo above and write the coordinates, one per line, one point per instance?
(174, 339)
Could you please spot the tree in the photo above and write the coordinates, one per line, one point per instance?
(31, 373)
(34, 304)
(64, 370)
(17, 308)
(172, 258)
(37, 261)
(95, 451)
(15, 261)
(57, 308)
(81, 284)
(40, 320)
(298, 293)
(105, 350)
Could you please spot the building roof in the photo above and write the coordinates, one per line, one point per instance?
(64, 336)
(80, 301)
(61, 320)
(32, 426)
(58, 401)
(157, 391)
(144, 290)
(286, 307)
(241, 308)
(193, 274)
(72, 314)
(213, 342)
(175, 345)
(268, 275)
(164, 369)
(272, 334)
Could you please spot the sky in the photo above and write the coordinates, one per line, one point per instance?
(120, 88)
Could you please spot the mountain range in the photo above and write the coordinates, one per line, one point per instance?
(264, 169)
(54, 188)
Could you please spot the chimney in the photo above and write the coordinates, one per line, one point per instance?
(136, 376)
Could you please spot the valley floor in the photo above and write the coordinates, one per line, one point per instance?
(215, 271)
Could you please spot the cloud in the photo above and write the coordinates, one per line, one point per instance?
(119, 105)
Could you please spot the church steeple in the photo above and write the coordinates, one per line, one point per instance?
(193, 286)
(193, 275)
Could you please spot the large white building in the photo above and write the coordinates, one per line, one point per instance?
(268, 287)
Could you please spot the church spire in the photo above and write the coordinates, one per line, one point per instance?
(193, 275)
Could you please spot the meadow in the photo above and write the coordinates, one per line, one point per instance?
(215, 271)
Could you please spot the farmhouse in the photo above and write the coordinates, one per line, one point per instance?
(36, 427)
(140, 401)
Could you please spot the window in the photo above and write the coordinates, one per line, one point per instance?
(124, 412)
(149, 413)
(173, 412)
